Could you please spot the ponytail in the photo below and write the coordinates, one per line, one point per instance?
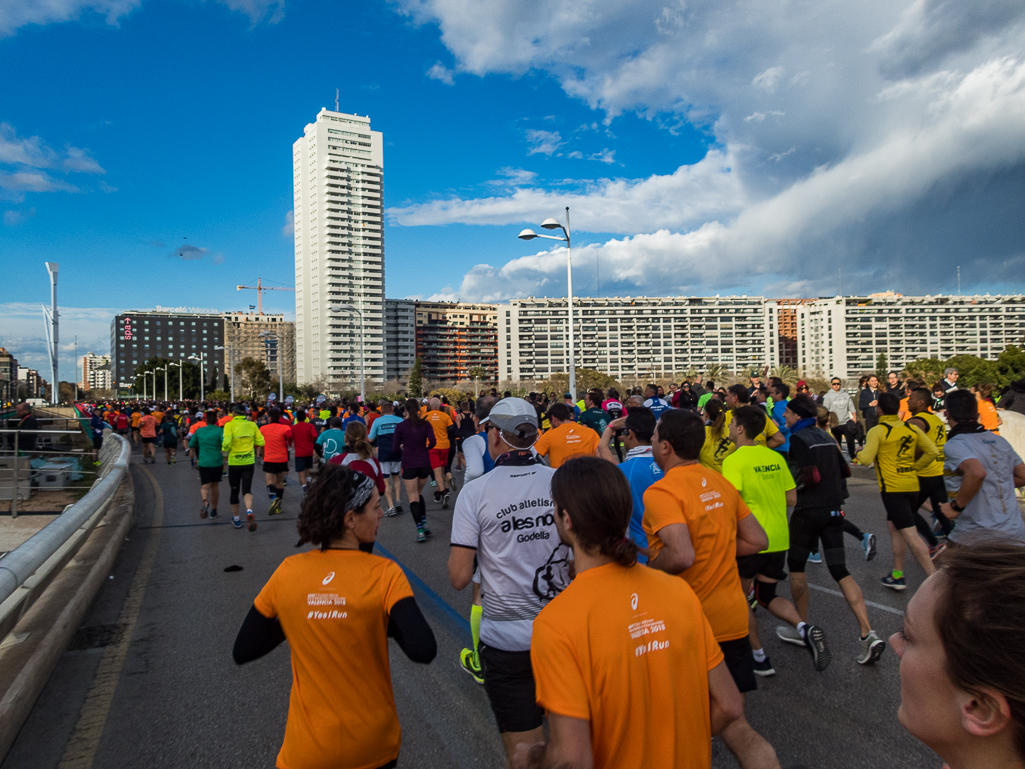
(356, 439)
(717, 414)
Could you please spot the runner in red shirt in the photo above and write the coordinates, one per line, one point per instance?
(304, 435)
(277, 437)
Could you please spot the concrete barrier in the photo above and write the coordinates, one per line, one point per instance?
(1013, 429)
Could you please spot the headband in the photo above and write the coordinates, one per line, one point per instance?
(362, 489)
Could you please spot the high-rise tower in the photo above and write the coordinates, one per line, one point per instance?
(338, 191)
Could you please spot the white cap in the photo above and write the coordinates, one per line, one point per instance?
(510, 414)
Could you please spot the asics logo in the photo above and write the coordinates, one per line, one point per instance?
(327, 580)
(633, 601)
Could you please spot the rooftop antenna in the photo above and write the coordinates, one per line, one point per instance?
(336, 100)
(959, 280)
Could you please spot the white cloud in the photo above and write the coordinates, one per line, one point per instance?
(440, 72)
(685, 198)
(778, 156)
(768, 80)
(271, 11)
(81, 161)
(34, 181)
(31, 151)
(606, 156)
(22, 334)
(12, 218)
(288, 230)
(543, 142)
(107, 188)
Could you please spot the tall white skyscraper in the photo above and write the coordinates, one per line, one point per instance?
(338, 191)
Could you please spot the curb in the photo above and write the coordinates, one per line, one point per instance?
(40, 638)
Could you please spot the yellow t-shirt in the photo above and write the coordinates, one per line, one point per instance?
(892, 445)
(715, 450)
(565, 441)
(629, 649)
(333, 606)
(710, 507)
(935, 431)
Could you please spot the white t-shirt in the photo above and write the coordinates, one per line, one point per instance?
(994, 508)
(507, 515)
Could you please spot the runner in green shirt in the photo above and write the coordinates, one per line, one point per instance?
(594, 416)
(765, 484)
(239, 444)
(205, 445)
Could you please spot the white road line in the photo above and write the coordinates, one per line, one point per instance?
(873, 604)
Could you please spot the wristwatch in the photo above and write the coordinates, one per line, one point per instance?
(955, 506)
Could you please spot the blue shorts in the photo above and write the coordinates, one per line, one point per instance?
(303, 463)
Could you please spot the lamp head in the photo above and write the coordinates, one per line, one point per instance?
(527, 234)
(551, 224)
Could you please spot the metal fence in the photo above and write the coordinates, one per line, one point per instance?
(28, 569)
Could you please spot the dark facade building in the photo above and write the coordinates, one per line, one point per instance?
(454, 338)
(135, 337)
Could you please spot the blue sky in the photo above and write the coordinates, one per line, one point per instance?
(705, 147)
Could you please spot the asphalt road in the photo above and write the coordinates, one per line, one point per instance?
(149, 680)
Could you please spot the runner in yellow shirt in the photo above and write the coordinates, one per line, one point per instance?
(242, 440)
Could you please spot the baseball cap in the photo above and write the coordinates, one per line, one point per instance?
(568, 395)
(511, 414)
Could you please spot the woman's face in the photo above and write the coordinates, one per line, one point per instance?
(929, 700)
(365, 524)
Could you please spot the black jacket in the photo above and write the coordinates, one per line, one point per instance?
(818, 468)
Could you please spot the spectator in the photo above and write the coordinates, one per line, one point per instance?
(26, 422)
(949, 381)
(868, 399)
(893, 382)
(982, 472)
(1014, 398)
(841, 406)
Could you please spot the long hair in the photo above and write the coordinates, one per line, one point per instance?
(716, 412)
(596, 496)
(356, 439)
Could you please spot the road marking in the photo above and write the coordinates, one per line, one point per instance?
(80, 752)
(873, 604)
(440, 602)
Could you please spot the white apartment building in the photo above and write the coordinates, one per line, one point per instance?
(636, 336)
(338, 186)
(844, 336)
(96, 374)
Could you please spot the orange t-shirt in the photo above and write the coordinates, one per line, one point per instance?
(440, 421)
(629, 649)
(136, 416)
(988, 416)
(224, 420)
(710, 506)
(148, 426)
(277, 438)
(905, 415)
(333, 606)
(196, 425)
(158, 415)
(565, 441)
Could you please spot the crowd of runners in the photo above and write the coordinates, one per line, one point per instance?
(623, 550)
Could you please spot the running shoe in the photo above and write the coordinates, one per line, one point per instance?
(894, 583)
(284, 481)
(252, 520)
(868, 544)
(421, 535)
(469, 663)
(751, 600)
(764, 668)
(275, 507)
(789, 635)
(816, 642)
(872, 648)
(437, 496)
(236, 522)
(453, 486)
(392, 512)
(174, 460)
(213, 513)
(815, 558)
(444, 500)
(855, 463)
(398, 508)
(935, 551)
(426, 529)
(434, 483)
(204, 510)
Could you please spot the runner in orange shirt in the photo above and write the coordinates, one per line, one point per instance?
(440, 421)
(277, 438)
(626, 664)
(337, 605)
(697, 526)
(566, 439)
(148, 428)
(136, 416)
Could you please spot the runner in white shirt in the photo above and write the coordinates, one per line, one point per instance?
(505, 521)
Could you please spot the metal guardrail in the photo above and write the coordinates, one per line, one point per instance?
(28, 569)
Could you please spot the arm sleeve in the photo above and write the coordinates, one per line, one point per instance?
(660, 510)
(474, 458)
(406, 624)
(465, 526)
(373, 431)
(258, 636)
(258, 438)
(226, 439)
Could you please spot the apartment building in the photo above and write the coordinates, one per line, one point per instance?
(844, 336)
(172, 333)
(454, 339)
(96, 374)
(242, 338)
(636, 336)
(399, 338)
(8, 376)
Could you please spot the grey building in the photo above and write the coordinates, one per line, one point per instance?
(400, 337)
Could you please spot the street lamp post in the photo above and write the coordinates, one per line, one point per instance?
(180, 363)
(277, 353)
(202, 373)
(528, 234)
(362, 359)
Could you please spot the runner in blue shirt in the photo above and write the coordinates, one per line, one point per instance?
(332, 440)
(653, 402)
(389, 456)
(780, 396)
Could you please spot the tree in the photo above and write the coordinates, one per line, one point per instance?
(972, 370)
(882, 367)
(189, 379)
(416, 379)
(255, 379)
(67, 392)
(1010, 365)
(928, 370)
(587, 379)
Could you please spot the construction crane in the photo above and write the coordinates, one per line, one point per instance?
(259, 288)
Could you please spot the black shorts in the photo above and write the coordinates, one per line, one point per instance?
(807, 527)
(170, 443)
(741, 663)
(240, 477)
(273, 468)
(98, 442)
(900, 508)
(411, 473)
(211, 474)
(149, 440)
(509, 684)
(771, 565)
(303, 463)
(933, 488)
